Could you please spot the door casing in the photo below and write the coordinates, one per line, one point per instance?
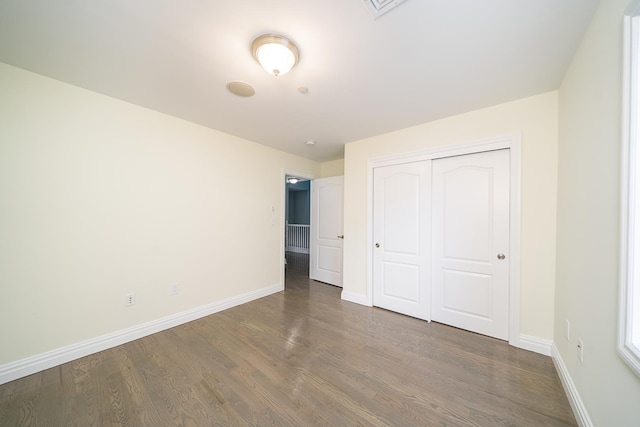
(509, 141)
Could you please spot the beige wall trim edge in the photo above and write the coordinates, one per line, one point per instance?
(31, 365)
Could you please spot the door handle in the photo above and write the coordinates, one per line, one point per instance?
(341, 237)
(501, 256)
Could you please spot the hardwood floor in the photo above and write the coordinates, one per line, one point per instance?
(301, 357)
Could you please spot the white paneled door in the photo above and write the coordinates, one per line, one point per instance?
(325, 252)
(401, 238)
(441, 240)
(470, 231)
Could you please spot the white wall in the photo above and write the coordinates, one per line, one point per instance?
(536, 118)
(588, 223)
(99, 198)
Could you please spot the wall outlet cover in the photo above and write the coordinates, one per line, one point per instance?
(130, 299)
(174, 289)
(580, 350)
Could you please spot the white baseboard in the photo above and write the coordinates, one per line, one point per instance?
(535, 344)
(357, 298)
(30, 365)
(579, 410)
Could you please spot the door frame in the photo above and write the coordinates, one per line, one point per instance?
(283, 206)
(510, 141)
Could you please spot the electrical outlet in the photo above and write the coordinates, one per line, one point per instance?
(130, 299)
(580, 350)
(567, 331)
(174, 289)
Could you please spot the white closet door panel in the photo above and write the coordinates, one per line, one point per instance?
(401, 236)
(470, 211)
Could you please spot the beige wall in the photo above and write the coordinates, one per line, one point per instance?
(536, 119)
(100, 198)
(332, 168)
(588, 223)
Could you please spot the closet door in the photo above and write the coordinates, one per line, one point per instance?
(470, 213)
(401, 238)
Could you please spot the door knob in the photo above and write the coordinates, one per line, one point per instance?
(501, 256)
(341, 237)
(377, 245)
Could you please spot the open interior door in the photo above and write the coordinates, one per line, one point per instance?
(325, 252)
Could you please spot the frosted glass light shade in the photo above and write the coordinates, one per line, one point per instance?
(276, 54)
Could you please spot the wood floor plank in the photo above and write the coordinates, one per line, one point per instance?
(301, 357)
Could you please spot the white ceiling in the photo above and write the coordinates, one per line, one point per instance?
(423, 60)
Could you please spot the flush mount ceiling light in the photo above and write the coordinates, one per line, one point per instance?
(293, 180)
(277, 54)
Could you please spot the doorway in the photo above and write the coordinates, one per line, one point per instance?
(297, 217)
(313, 227)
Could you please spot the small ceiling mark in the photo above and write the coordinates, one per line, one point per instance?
(378, 8)
(241, 89)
